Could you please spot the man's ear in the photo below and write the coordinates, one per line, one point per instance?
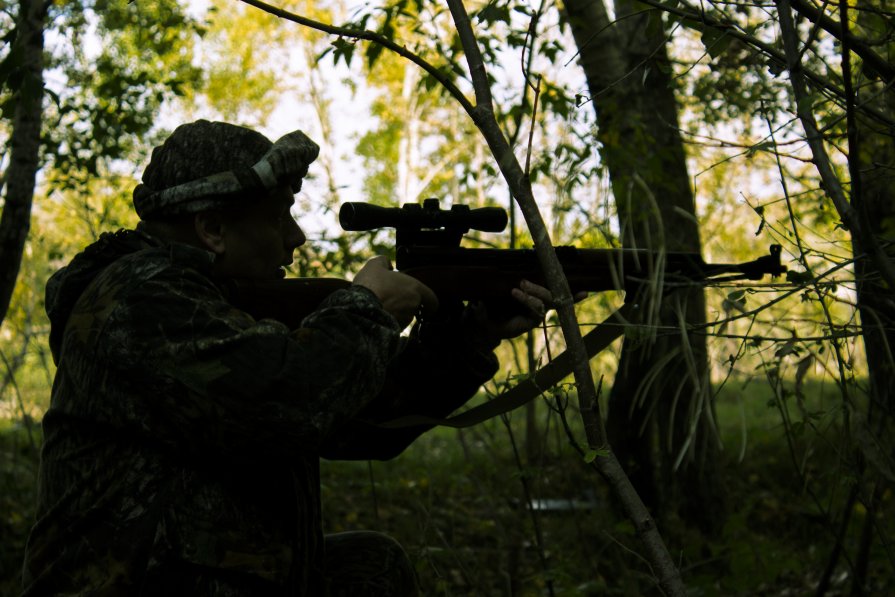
(209, 227)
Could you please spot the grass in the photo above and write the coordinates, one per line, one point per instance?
(456, 501)
(18, 497)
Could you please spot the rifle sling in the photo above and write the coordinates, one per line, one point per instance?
(596, 340)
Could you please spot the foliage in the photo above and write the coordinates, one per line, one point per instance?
(112, 64)
(18, 499)
(464, 521)
(242, 69)
(444, 150)
(117, 64)
(456, 501)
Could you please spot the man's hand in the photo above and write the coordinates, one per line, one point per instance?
(484, 328)
(402, 296)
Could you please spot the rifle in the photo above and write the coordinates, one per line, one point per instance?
(428, 248)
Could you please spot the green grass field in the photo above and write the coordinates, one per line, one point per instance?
(457, 501)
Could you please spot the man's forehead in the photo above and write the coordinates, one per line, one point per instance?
(277, 200)
(282, 195)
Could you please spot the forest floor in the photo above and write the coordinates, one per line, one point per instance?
(457, 501)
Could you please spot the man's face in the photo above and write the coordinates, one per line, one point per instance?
(259, 242)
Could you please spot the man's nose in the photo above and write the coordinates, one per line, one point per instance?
(294, 236)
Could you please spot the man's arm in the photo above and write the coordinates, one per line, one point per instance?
(436, 372)
(445, 361)
(204, 377)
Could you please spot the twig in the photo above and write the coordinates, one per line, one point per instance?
(883, 67)
(691, 13)
(851, 217)
(803, 258)
(606, 463)
(482, 114)
(530, 507)
(368, 36)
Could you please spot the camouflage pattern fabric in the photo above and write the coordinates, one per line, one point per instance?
(182, 444)
(204, 180)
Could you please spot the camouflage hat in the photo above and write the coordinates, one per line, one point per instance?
(205, 165)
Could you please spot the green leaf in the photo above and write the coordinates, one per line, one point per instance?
(493, 13)
(8, 106)
(9, 68)
(775, 67)
(10, 36)
(373, 52)
(343, 48)
(592, 455)
(787, 349)
(715, 41)
(735, 301)
(795, 277)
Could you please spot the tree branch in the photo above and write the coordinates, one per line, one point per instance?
(483, 116)
(880, 65)
(15, 221)
(727, 28)
(520, 185)
(850, 216)
(371, 36)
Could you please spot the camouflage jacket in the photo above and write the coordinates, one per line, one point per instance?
(182, 444)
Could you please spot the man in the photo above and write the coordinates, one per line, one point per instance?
(182, 444)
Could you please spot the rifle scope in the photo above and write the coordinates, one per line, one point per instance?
(357, 216)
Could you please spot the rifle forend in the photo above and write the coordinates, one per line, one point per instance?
(489, 274)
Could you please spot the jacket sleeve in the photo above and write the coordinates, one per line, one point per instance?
(437, 371)
(187, 369)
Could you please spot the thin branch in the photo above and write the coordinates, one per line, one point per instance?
(371, 36)
(727, 28)
(483, 115)
(608, 466)
(850, 216)
(880, 65)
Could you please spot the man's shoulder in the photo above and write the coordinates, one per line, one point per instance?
(144, 280)
(154, 270)
(140, 296)
(152, 261)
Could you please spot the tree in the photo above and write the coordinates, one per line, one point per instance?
(23, 67)
(873, 194)
(870, 215)
(108, 102)
(654, 411)
(718, 76)
(839, 96)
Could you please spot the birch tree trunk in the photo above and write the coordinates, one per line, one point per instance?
(15, 221)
